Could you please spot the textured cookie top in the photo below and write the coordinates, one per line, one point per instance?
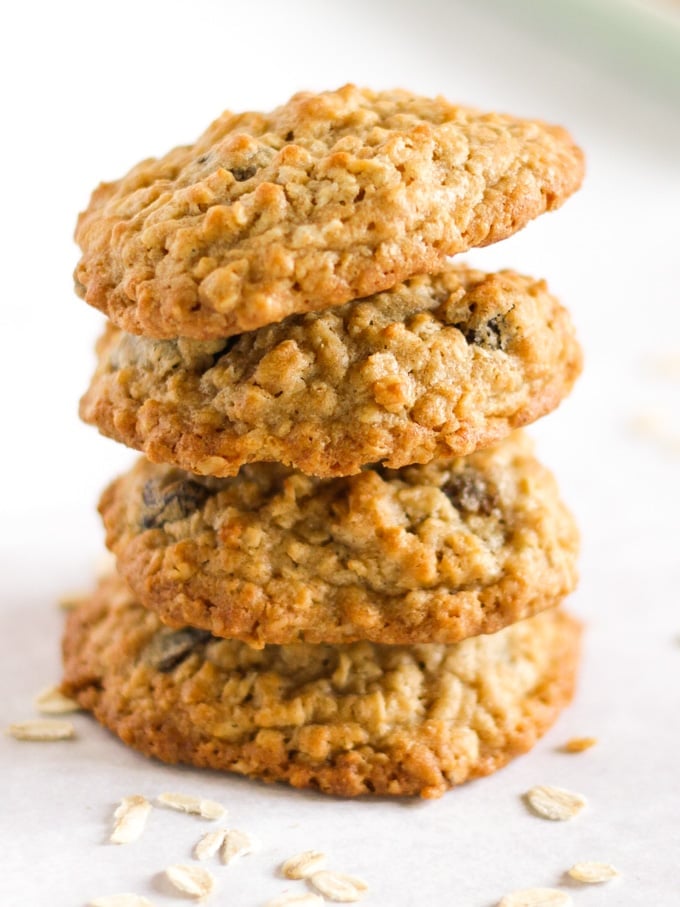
(430, 553)
(328, 198)
(438, 366)
(348, 720)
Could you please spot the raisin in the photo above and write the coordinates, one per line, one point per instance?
(169, 648)
(241, 174)
(165, 501)
(488, 333)
(469, 492)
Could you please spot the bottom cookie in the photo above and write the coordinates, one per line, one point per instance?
(347, 720)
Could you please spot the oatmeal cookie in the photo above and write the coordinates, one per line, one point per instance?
(430, 553)
(348, 720)
(438, 366)
(330, 197)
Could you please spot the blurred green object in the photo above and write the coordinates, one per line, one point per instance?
(638, 37)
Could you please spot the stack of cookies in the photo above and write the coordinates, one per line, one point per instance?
(340, 563)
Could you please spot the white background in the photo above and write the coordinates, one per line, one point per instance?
(88, 89)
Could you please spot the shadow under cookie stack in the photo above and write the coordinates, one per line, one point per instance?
(341, 564)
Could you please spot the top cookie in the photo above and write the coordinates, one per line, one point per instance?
(328, 198)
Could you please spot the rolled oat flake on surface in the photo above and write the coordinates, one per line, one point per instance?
(130, 819)
(555, 803)
(592, 873)
(42, 729)
(303, 864)
(192, 880)
(207, 809)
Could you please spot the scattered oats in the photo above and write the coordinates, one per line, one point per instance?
(121, 900)
(338, 887)
(130, 816)
(592, 873)
(104, 565)
(209, 844)
(237, 844)
(193, 880)
(51, 701)
(295, 899)
(70, 600)
(303, 864)
(579, 744)
(536, 897)
(208, 809)
(42, 729)
(555, 803)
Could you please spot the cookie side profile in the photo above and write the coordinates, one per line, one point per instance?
(438, 366)
(345, 720)
(331, 197)
(430, 553)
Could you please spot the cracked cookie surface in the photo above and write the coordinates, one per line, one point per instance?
(430, 553)
(330, 197)
(439, 366)
(346, 720)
